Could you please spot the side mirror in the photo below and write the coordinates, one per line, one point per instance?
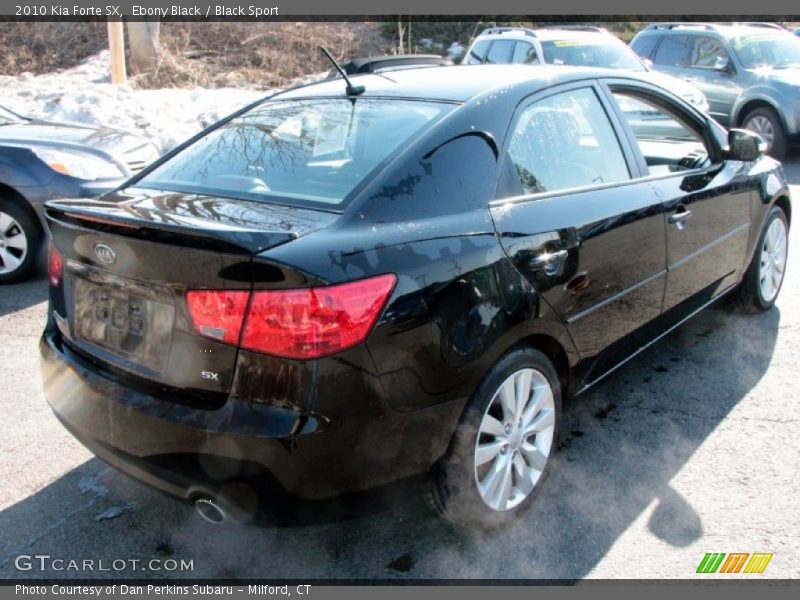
(648, 64)
(745, 145)
(722, 63)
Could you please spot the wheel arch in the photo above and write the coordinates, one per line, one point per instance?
(786, 206)
(6, 191)
(756, 103)
(555, 353)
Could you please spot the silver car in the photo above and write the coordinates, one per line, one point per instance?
(750, 73)
(42, 160)
(575, 46)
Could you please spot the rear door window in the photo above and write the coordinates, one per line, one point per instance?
(672, 51)
(500, 52)
(565, 141)
(708, 53)
(525, 54)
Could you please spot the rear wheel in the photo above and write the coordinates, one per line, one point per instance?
(20, 242)
(500, 453)
(764, 277)
(766, 123)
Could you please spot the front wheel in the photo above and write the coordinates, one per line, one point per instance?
(501, 451)
(20, 241)
(764, 277)
(766, 123)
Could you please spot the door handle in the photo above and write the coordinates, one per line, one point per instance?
(680, 217)
(546, 259)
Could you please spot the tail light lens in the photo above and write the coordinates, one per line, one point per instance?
(315, 322)
(298, 324)
(218, 314)
(55, 265)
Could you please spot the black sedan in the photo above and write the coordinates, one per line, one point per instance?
(329, 292)
(42, 160)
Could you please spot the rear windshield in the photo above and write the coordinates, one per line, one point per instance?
(296, 152)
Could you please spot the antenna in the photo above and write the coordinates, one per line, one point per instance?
(351, 90)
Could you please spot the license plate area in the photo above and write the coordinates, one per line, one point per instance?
(123, 318)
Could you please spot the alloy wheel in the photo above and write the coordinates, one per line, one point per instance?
(13, 244)
(773, 260)
(514, 439)
(762, 126)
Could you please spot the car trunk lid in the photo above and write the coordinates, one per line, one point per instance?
(129, 260)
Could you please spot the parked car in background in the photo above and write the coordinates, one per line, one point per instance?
(571, 45)
(341, 286)
(41, 160)
(750, 73)
(375, 64)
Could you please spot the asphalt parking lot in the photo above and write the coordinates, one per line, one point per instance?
(690, 448)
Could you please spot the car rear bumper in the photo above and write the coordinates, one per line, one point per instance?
(149, 438)
(189, 452)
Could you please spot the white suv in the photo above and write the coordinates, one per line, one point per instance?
(574, 45)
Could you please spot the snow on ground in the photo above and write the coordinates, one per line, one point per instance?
(84, 94)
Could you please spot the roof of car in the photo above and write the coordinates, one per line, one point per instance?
(543, 34)
(456, 83)
(724, 29)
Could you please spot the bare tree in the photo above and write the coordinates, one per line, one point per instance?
(400, 30)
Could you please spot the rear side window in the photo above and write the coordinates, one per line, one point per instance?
(644, 45)
(707, 52)
(672, 50)
(525, 53)
(565, 141)
(296, 152)
(500, 52)
(477, 53)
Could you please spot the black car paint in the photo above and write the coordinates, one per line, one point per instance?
(387, 408)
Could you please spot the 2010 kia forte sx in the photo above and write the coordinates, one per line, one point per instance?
(338, 287)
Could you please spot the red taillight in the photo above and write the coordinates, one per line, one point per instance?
(218, 314)
(315, 322)
(55, 265)
(300, 324)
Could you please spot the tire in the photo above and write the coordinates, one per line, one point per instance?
(752, 296)
(455, 480)
(20, 242)
(766, 122)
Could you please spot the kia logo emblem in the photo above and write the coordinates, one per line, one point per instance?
(105, 254)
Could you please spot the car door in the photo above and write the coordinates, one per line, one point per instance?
(706, 199)
(711, 68)
(577, 223)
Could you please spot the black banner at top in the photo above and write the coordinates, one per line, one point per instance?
(254, 10)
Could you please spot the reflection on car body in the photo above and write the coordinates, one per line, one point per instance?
(401, 281)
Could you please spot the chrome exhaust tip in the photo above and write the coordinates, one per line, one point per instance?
(209, 510)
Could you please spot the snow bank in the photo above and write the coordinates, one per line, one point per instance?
(84, 94)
